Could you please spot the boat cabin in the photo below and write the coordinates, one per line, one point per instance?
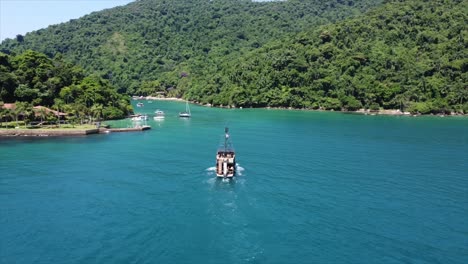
(226, 159)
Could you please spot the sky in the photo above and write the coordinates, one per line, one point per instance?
(22, 16)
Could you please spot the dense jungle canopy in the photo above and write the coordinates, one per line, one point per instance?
(32, 79)
(336, 54)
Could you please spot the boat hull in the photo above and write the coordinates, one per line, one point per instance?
(184, 115)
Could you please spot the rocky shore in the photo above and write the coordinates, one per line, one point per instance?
(396, 112)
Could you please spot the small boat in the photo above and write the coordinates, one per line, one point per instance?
(140, 104)
(139, 117)
(186, 113)
(159, 114)
(226, 158)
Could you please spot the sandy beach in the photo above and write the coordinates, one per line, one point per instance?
(158, 98)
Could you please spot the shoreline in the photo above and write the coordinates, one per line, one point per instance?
(47, 132)
(362, 111)
(7, 133)
(158, 98)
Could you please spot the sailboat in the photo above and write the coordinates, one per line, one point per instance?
(186, 113)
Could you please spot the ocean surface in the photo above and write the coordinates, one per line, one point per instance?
(312, 187)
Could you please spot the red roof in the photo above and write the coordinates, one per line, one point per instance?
(48, 110)
(9, 106)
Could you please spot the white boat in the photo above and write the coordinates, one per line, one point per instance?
(139, 117)
(140, 104)
(159, 114)
(186, 113)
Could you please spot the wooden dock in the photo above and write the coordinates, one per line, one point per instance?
(65, 132)
(46, 132)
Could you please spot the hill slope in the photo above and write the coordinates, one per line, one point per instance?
(155, 40)
(411, 55)
(31, 78)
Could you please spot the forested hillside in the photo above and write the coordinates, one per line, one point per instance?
(410, 55)
(402, 54)
(155, 41)
(32, 79)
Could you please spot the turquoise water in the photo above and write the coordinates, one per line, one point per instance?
(313, 187)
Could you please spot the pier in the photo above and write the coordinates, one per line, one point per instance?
(65, 132)
(46, 132)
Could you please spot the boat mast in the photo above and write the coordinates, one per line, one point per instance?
(226, 137)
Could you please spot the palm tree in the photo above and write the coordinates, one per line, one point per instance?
(67, 94)
(5, 114)
(73, 116)
(16, 112)
(24, 109)
(461, 93)
(114, 97)
(28, 114)
(401, 100)
(96, 110)
(80, 111)
(58, 105)
(88, 98)
(2, 111)
(42, 113)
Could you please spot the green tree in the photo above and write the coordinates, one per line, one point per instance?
(42, 112)
(97, 111)
(58, 106)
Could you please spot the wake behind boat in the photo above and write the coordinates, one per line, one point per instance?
(226, 158)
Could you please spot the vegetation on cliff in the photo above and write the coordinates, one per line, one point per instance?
(32, 79)
(408, 55)
(151, 43)
(404, 54)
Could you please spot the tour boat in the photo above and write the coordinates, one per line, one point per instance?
(159, 114)
(186, 113)
(226, 158)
